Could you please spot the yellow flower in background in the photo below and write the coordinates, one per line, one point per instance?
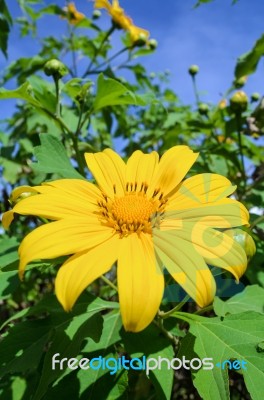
(122, 20)
(142, 215)
(73, 16)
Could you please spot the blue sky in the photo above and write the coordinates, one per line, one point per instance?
(212, 36)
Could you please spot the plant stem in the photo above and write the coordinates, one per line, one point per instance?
(167, 314)
(195, 90)
(168, 335)
(57, 90)
(203, 310)
(108, 33)
(240, 147)
(109, 283)
(256, 222)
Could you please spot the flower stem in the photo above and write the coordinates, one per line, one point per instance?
(167, 314)
(57, 90)
(168, 335)
(108, 33)
(109, 283)
(240, 147)
(203, 310)
(195, 90)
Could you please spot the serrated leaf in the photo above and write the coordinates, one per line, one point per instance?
(52, 158)
(251, 299)
(234, 337)
(110, 92)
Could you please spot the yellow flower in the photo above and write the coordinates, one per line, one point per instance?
(73, 16)
(222, 104)
(122, 20)
(142, 215)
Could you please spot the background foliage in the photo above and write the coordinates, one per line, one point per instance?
(101, 103)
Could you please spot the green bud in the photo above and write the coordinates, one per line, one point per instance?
(203, 109)
(255, 96)
(244, 239)
(152, 75)
(55, 68)
(193, 70)
(239, 83)
(81, 96)
(239, 101)
(141, 40)
(96, 14)
(153, 44)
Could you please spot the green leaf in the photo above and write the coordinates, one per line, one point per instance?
(21, 349)
(251, 299)
(111, 92)
(5, 22)
(149, 342)
(234, 337)
(112, 325)
(52, 158)
(23, 92)
(248, 62)
(8, 251)
(9, 281)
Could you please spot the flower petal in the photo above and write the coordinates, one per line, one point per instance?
(141, 167)
(82, 269)
(108, 168)
(225, 213)
(200, 189)
(172, 168)
(217, 248)
(56, 206)
(62, 238)
(185, 265)
(7, 218)
(140, 282)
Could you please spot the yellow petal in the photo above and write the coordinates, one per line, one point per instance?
(7, 218)
(82, 189)
(62, 238)
(56, 206)
(82, 269)
(200, 189)
(140, 282)
(172, 168)
(17, 192)
(185, 265)
(224, 213)
(102, 4)
(108, 168)
(141, 167)
(217, 248)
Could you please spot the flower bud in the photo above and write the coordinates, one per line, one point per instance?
(239, 83)
(203, 109)
(239, 101)
(141, 40)
(153, 44)
(55, 68)
(255, 96)
(244, 239)
(96, 14)
(222, 104)
(193, 70)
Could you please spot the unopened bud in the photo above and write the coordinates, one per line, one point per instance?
(239, 83)
(96, 14)
(244, 239)
(153, 44)
(255, 96)
(193, 70)
(55, 68)
(239, 101)
(203, 109)
(222, 104)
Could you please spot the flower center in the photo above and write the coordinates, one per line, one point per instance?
(134, 212)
